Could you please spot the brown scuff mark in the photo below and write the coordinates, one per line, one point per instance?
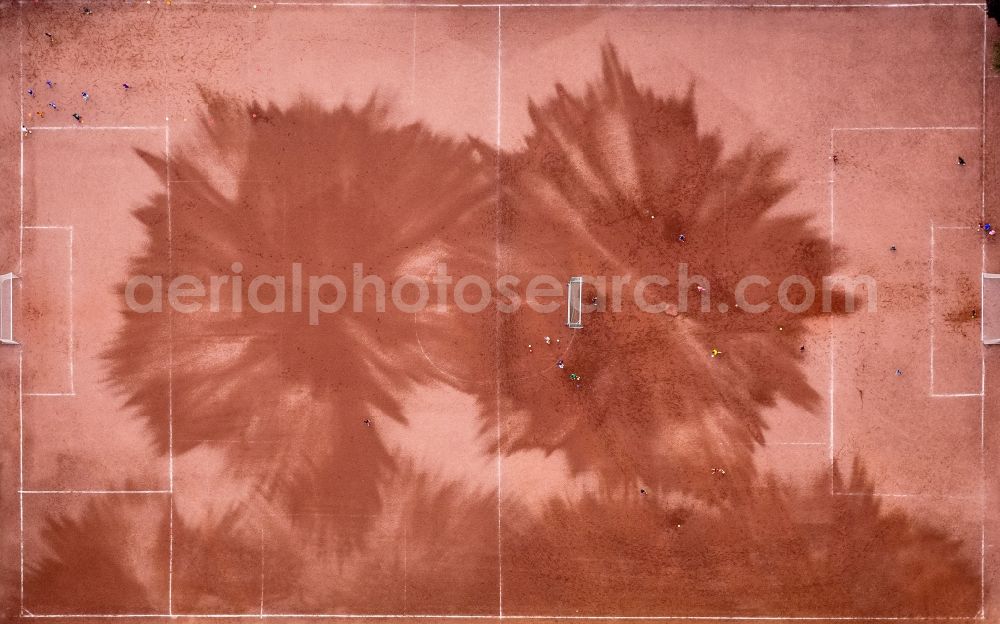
(963, 312)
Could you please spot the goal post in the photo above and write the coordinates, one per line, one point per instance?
(991, 309)
(7, 309)
(574, 303)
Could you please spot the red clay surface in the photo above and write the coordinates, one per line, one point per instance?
(384, 464)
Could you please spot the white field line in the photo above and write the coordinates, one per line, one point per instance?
(451, 616)
(571, 5)
(907, 495)
(50, 394)
(83, 127)
(952, 395)
(72, 319)
(830, 388)
(931, 306)
(170, 371)
(982, 347)
(262, 572)
(20, 456)
(31, 492)
(413, 60)
(906, 128)
(20, 121)
(497, 345)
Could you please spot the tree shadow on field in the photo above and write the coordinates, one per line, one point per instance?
(109, 556)
(779, 550)
(433, 549)
(608, 182)
(284, 401)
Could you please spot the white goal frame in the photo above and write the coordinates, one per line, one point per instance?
(574, 303)
(7, 309)
(990, 317)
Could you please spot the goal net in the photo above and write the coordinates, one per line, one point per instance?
(991, 308)
(7, 309)
(574, 303)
